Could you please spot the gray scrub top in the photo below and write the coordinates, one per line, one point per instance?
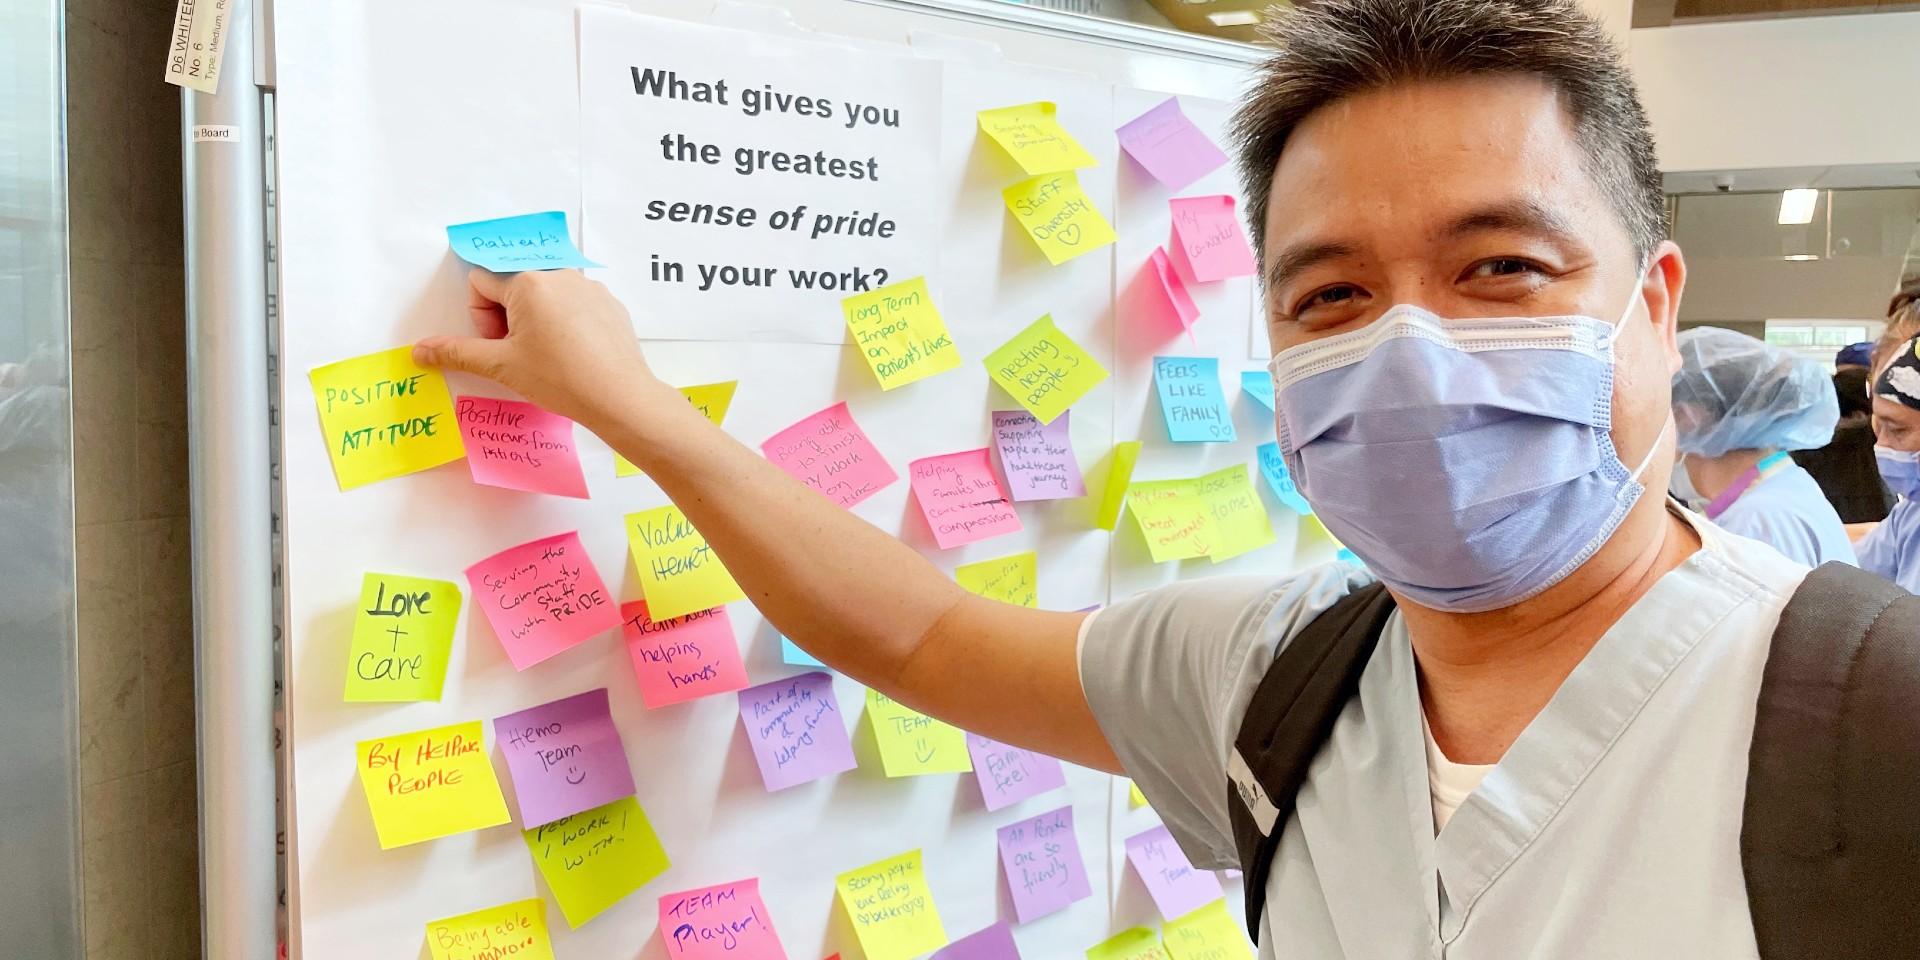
(1610, 829)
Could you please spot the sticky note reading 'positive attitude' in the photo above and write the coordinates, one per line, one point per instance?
(1032, 135)
(830, 453)
(564, 756)
(682, 658)
(520, 446)
(1167, 299)
(1008, 774)
(1176, 886)
(1011, 579)
(517, 930)
(1207, 933)
(1037, 458)
(899, 333)
(1218, 516)
(715, 923)
(711, 399)
(1207, 242)
(593, 859)
(1169, 146)
(1274, 468)
(402, 635)
(1113, 492)
(1043, 370)
(1058, 215)
(542, 597)
(961, 498)
(912, 743)
(533, 241)
(1041, 857)
(993, 943)
(796, 730)
(429, 783)
(384, 416)
(1191, 399)
(891, 908)
(679, 572)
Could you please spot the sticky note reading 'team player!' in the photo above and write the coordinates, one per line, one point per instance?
(679, 572)
(384, 416)
(534, 241)
(429, 783)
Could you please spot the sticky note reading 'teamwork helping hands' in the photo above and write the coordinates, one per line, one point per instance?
(796, 730)
(1032, 135)
(912, 743)
(542, 597)
(517, 930)
(402, 635)
(961, 498)
(1169, 146)
(711, 399)
(429, 783)
(533, 241)
(384, 416)
(1177, 887)
(520, 447)
(1058, 215)
(682, 658)
(1191, 400)
(716, 923)
(565, 757)
(1207, 242)
(830, 453)
(1008, 774)
(679, 572)
(1011, 579)
(1043, 370)
(891, 908)
(899, 333)
(1208, 933)
(1037, 458)
(1041, 858)
(596, 857)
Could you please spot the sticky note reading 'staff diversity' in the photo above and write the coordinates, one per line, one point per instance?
(384, 416)
(1058, 215)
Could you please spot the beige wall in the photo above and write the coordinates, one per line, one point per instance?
(138, 817)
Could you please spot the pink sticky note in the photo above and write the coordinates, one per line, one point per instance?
(564, 756)
(1177, 888)
(1207, 242)
(1009, 775)
(961, 498)
(520, 446)
(1169, 146)
(1041, 857)
(1166, 294)
(830, 453)
(719, 922)
(993, 943)
(542, 597)
(1037, 458)
(796, 730)
(684, 658)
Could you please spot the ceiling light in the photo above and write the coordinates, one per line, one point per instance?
(1800, 256)
(1234, 18)
(1796, 206)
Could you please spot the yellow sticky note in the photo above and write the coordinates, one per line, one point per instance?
(1032, 135)
(402, 634)
(1058, 215)
(899, 333)
(1134, 796)
(679, 573)
(384, 416)
(594, 858)
(517, 930)
(1240, 517)
(1113, 495)
(891, 908)
(1044, 370)
(1173, 517)
(1133, 943)
(1012, 579)
(1208, 933)
(711, 399)
(912, 743)
(430, 783)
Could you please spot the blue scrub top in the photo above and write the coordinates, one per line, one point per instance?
(1788, 512)
(1892, 550)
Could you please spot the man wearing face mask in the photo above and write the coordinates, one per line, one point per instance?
(1472, 307)
(1892, 550)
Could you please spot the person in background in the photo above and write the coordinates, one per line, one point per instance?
(1845, 468)
(1740, 406)
(1892, 550)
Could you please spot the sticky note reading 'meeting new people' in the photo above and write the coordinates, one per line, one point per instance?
(565, 757)
(796, 731)
(961, 498)
(1113, 495)
(542, 597)
(1207, 242)
(711, 399)
(891, 908)
(830, 453)
(1169, 146)
(384, 416)
(679, 573)
(517, 930)
(520, 446)
(1008, 774)
(1208, 933)
(1133, 943)
(993, 943)
(1177, 887)
(1043, 370)
(596, 857)
(1037, 458)
(533, 241)
(402, 635)
(1191, 401)
(1041, 857)
(1274, 468)
(1058, 215)
(715, 923)
(1011, 579)
(900, 334)
(682, 658)
(912, 743)
(1032, 135)
(429, 783)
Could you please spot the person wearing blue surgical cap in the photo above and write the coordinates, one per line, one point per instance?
(1741, 406)
(1892, 550)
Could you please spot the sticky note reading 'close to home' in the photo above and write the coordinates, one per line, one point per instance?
(993, 943)
(429, 783)
(891, 908)
(1008, 774)
(1058, 215)
(1041, 857)
(715, 923)
(542, 597)
(899, 333)
(1208, 933)
(1167, 296)
(961, 498)
(1207, 242)
(912, 743)
(1011, 579)
(384, 416)
(1032, 135)
(593, 859)
(1037, 458)
(682, 658)
(402, 636)
(830, 453)
(1218, 516)
(517, 930)
(679, 572)
(520, 446)
(1169, 146)
(1274, 468)
(795, 729)
(1113, 492)
(1133, 943)
(1177, 887)
(1191, 401)
(1043, 370)
(711, 399)
(565, 757)
(533, 241)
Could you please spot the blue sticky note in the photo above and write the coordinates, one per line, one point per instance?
(1191, 399)
(1274, 468)
(796, 656)
(1259, 385)
(1348, 556)
(536, 241)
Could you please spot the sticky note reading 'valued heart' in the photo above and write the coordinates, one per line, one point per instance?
(1041, 857)
(402, 636)
(429, 784)
(682, 658)
(520, 447)
(961, 498)
(830, 453)
(679, 572)
(533, 241)
(565, 757)
(796, 730)
(542, 597)
(384, 416)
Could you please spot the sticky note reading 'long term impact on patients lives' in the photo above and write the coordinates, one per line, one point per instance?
(796, 730)
(542, 597)
(1043, 370)
(533, 241)
(402, 635)
(993, 943)
(711, 399)
(1032, 135)
(1191, 400)
(891, 908)
(716, 923)
(682, 658)
(912, 743)
(1177, 887)
(830, 453)
(1207, 242)
(520, 447)
(384, 416)
(899, 333)
(517, 930)
(679, 573)
(565, 756)
(961, 498)
(1058, 215)
(1208, 933)
(1041, 857)
(1133, 943)
(429, 783)
(596, 857)
(1010, 579)
(1169, 146)
(1037, 458)
(1009, 774)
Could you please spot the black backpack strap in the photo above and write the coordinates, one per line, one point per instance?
(1830, 844)
(1289, 719)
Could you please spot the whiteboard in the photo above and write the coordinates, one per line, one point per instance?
(394, 120)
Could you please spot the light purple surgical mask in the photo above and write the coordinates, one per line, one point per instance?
(1900, 469)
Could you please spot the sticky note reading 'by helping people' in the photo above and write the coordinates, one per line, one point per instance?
(1113, 495)
(1169, 146)
(1208, 933)
(517, 930)
(1167, 296)
(796, 731)
(1191, 400)
(1037, 458)
(1133, 943)
(961, 498)
(1043, 370)
(1176, 886)
(993, 943)
(384, 416)
(711, 399)
(565, 757)
(679, 573)
(715, 923)
(402, 636)
(596, 857)
(1041, 857)
(1058, 215)
(1008, 774)
(429, 783)
(520, 446)
(1010, 579)
(1274, 468)
(899, 333)
(912, 743)
(682, 658)
(1207, 242)
(830, 453)
(1258, 384)
(542, 597)
(1032, 135)
(891, 908)
(533, 241)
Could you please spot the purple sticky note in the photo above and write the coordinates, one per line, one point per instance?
(993, 943)
(1037, 457)
(1169, 146)
(565, 757)
(796, 730)
(1009, 775)
(1177, 888)
(1041, 856)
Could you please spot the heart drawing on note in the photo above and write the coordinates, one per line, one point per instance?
(1069, 235)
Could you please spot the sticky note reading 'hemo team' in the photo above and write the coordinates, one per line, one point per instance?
(1208, 933)
(1009, 774)
(1133, 943)
(682, 658)
(564, 756)
(1032, 135)
(717, 923)
(891, 908)
(542, 597)
(520, 447)
(384, 416)
(796, 730)
(593, 859)
(1177, 887)
(899, 333)
(402, 635)
(1043, 370)
(517, 930)
(912, 743)
(1041, 858)
(1169, 146)
(679, 572)
(1037, 458)
(429, 783)
(533, 241)
(1058, 215)
(961, 498)
(711, 399)
(1011, 579)
(830, 453)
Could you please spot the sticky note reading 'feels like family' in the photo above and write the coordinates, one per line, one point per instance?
(1208, 933)
(1032, 135)
(1010, 579)
(1274, 468)
(830, 453)
(899, 333)
(1009, 774)
(1133, 943)
(1207, 242)
(564, 756)
(720, 922)
(402, 635)
(596, 857)
(533, 241)
(384, 416)
(1169, 146)
(1058, 215)
(679, 572)
(520, 447)
(1041, 858)
(1191, 400)
(993, 943)
(1037, 458)
(891, 908)
(429, 783)
(961, 498)
(912, 743)
(517, 930)
(1043, 370)
(682, 658)
(796, 730)
(711, 399)
(542, 597)
(1177, 887)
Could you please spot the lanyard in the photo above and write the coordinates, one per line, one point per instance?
(1767, 467)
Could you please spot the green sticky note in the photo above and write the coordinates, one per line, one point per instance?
(1135, 943)
(1113, 494)
(1044, 370)
(596, 857)
(912, 743)
(1011, 579)
(402, 637)
(1208, 933)
(891, 908)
